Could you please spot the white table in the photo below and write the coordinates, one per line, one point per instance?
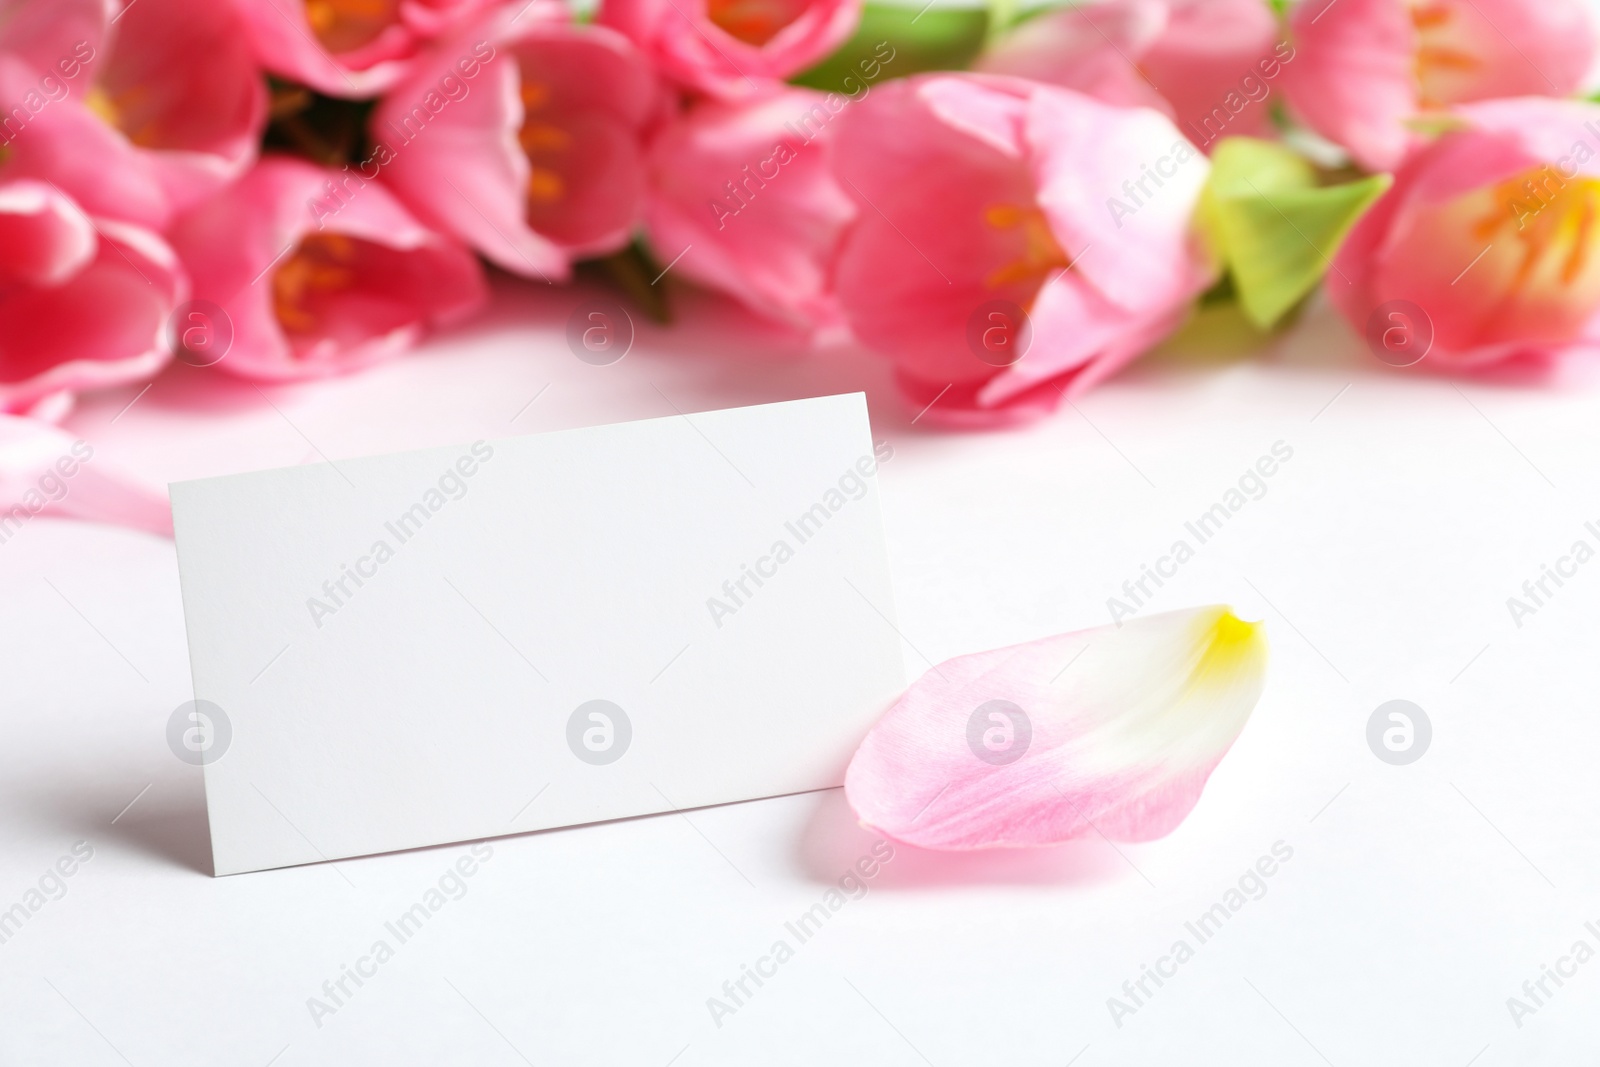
(1417, 900)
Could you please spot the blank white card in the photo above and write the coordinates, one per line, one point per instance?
(511, 635)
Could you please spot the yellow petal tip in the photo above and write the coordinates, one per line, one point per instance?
(1231, 640)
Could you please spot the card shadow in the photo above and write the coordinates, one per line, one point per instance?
(166, 823)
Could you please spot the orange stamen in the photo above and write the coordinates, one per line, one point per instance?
(753, 21)
(1041, 255)
(345, 25)
(319, 265)
(544, 143)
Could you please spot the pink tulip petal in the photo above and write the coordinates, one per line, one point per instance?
(997, 118)
(1199, 62)
(973, 405)
(1213, 56)
(772, 247)
(1482, 231)
(1364, 68)
(1490, 49)
(981, 196)
(1079, 340)
(463, 174)
(1009, 749)
(1090, 48)
(1352, 78)
(365, 278)
(598, 95)
(575, 97)
(1499, 139)
(100, 324)
(182, 85)
(363, 50)
(52, 408)
(46, 236)
(70, 147)
(153, 111)
(45, 34)
(47, 471)
(688, 45)
(919, 257)
(1085, 153)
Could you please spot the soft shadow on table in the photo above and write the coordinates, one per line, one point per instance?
(175, 827)
(833, 842)
(167, 823)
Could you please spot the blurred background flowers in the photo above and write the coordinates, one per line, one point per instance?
(1009, 203)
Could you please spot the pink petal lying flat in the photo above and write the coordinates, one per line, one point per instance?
(45, 470)
(1112, 731)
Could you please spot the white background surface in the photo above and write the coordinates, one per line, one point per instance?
(1417, 900)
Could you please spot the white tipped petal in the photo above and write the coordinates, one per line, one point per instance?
(1114, 730)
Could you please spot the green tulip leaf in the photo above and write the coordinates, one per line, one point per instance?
(1274, 228)
(894, 40)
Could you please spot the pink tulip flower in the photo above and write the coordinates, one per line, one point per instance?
(306, 290)
(135, 117)
(733, 48)
(1208, 64)
(1487, 246)
(1365, 68)
(744, 193)
(350, 48)
(1015, 243)
(523, 140)
(83, 305)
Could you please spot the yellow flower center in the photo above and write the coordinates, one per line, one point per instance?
(121, 110)
(1551, 224)
(345, 25)
(320, 265)
(1552, 220)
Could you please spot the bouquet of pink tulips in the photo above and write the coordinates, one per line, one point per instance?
(1010, 205)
